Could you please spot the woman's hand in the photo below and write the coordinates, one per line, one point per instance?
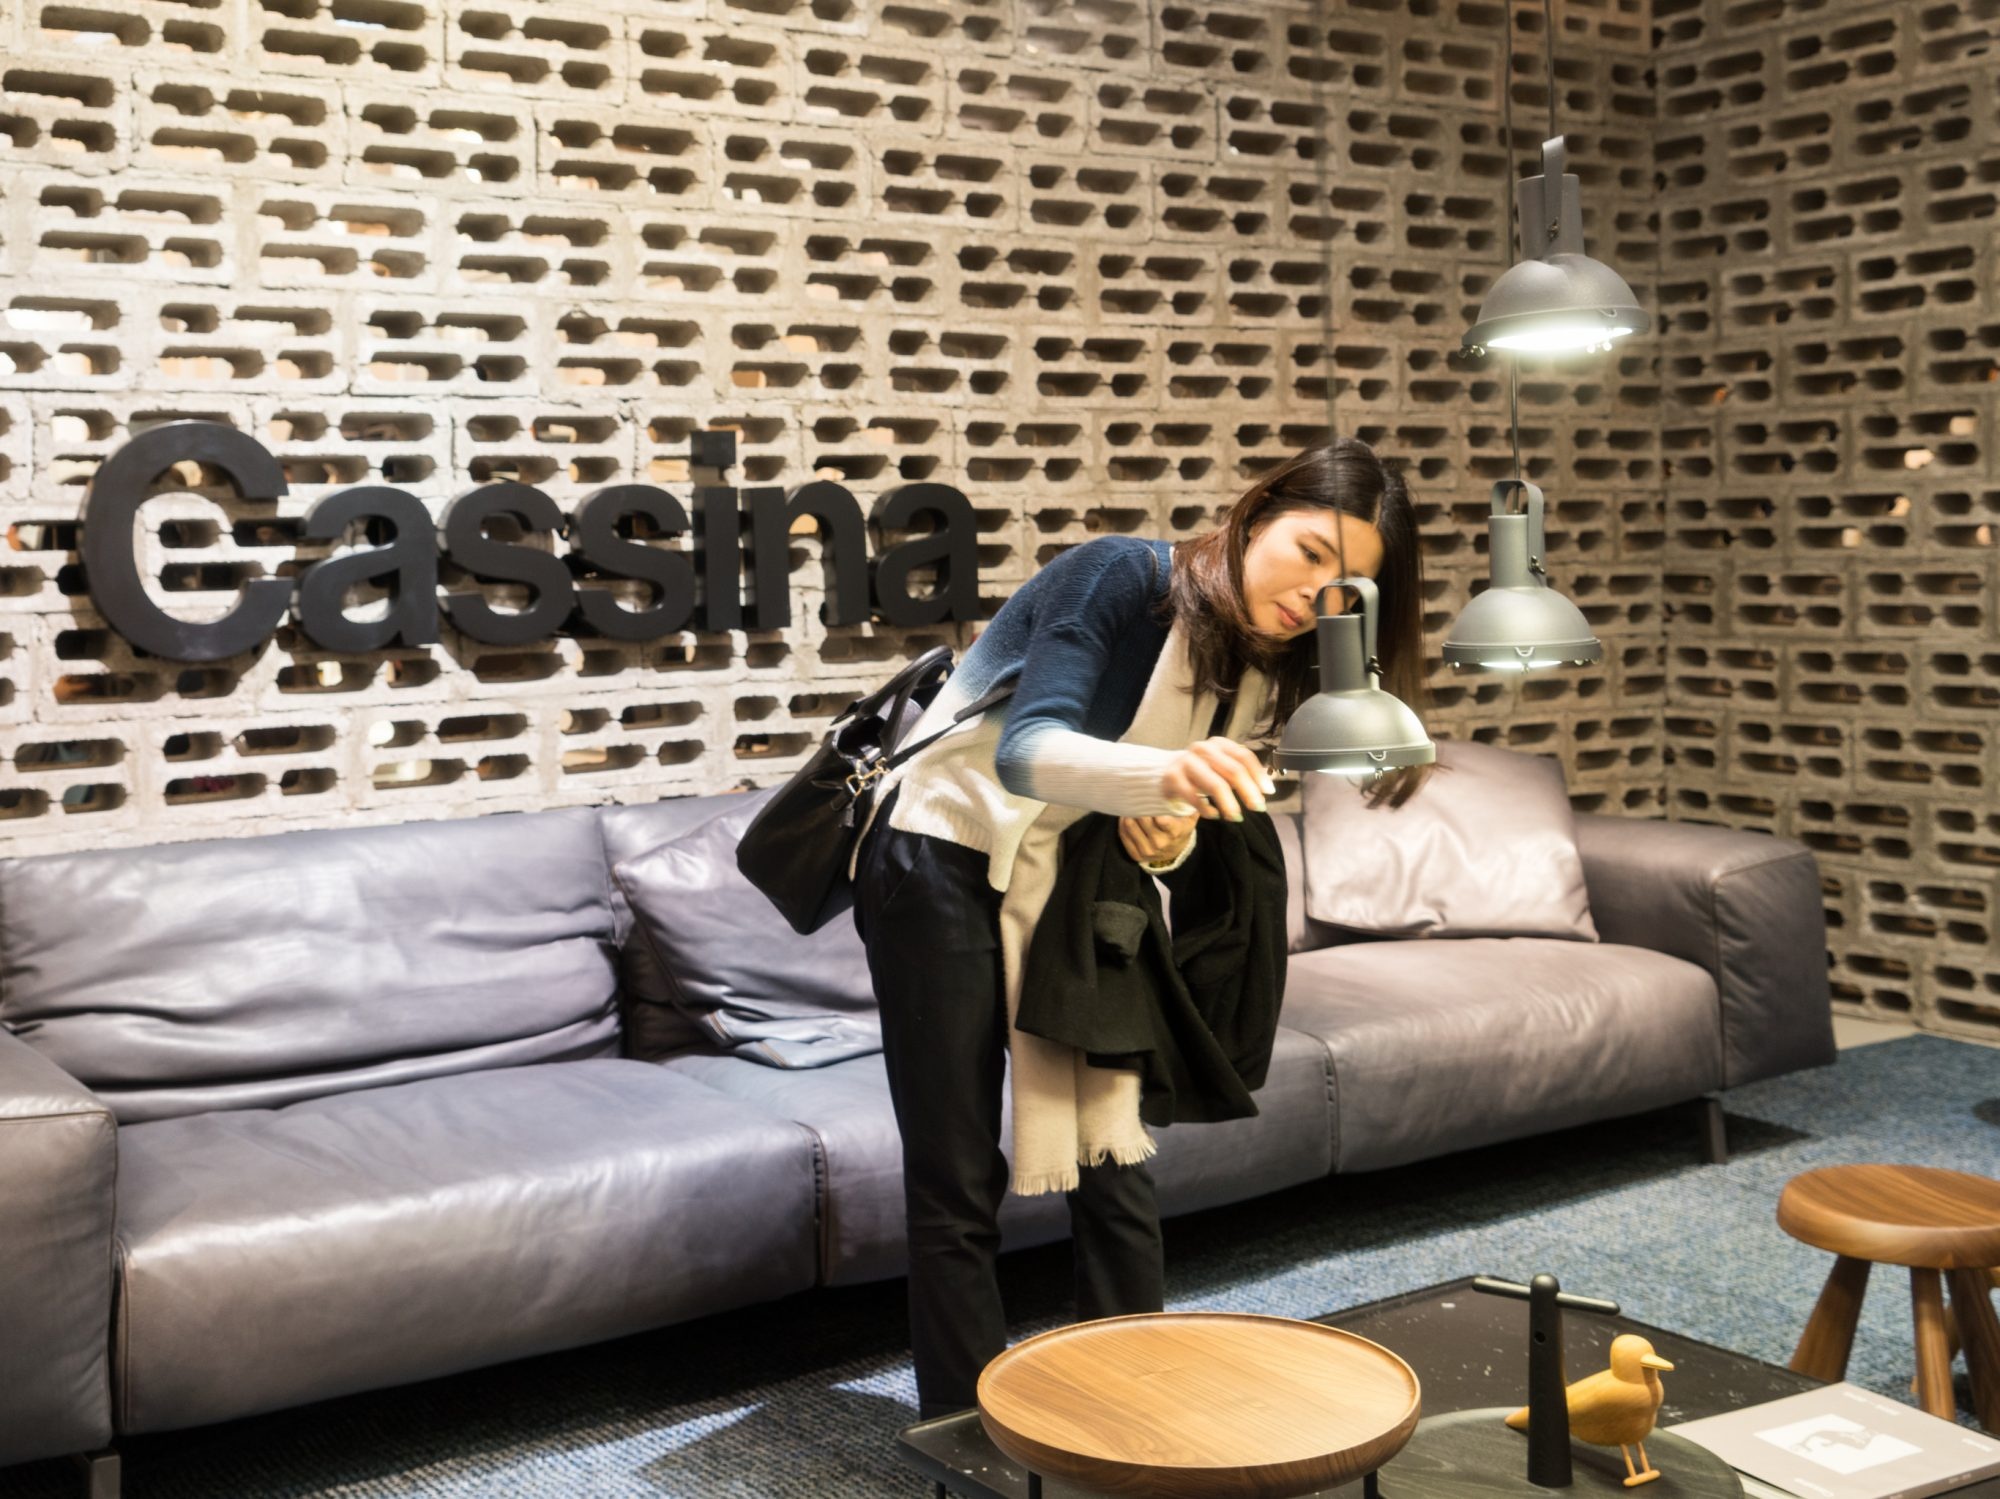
(1155, 840)
(1219, 777)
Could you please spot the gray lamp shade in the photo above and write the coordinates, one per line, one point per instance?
(1351, 727)
(1519, 623)
(1556, 298)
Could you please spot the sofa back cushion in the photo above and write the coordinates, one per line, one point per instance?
(1486, 849)
(255, 972)
(650, 1006)
(735, 968)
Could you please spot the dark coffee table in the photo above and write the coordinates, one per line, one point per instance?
(1468, 1350)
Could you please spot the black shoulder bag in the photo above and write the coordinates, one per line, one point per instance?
(798, 848)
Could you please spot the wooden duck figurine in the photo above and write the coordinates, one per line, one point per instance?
(1618, 1407)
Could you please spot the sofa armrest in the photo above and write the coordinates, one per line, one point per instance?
(1744, 906)
(58, 1172)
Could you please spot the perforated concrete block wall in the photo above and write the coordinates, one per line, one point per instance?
(1067, 257)
(1063, 256)
(1830, 174)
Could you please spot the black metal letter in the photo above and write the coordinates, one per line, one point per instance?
(111, 508)
(843, 550)
(466, 540)
(720, 549)
(411, 559)
(594, 539)
(952, 547)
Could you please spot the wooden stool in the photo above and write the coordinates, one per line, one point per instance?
(1199, 1405)
(1922, 1217)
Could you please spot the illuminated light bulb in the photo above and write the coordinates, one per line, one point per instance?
(1559, 336)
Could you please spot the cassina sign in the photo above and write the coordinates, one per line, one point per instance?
(701, 587)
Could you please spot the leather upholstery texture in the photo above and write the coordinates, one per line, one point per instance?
(654, 1023)
(272, 1257)
(1486, 849)
(1302, 933)
(1441, 1046)
(58, 1173)
(846, 1109)
(337, 1110)
(1743, 906)
(734, 964)
(256, 972)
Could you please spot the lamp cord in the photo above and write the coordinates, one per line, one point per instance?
(1514, 412)
(1322, 149)
(1549, 51)
(1507, 192)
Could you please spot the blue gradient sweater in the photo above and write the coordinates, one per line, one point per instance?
(1083, 641)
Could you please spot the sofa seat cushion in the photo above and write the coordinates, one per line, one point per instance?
(1440, 1046)
(274, 1257)
(258, 972)
(846, 1107)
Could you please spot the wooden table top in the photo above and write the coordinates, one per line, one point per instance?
(1200, 1405)
(1896, 1215)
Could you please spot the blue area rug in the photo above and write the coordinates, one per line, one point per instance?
(805, 1396)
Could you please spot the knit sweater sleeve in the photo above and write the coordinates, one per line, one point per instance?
(1088, 602)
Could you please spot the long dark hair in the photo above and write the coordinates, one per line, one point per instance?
(1206, 591)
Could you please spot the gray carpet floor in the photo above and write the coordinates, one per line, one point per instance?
(804, 1397)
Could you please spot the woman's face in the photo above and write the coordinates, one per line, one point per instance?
(1293, 556)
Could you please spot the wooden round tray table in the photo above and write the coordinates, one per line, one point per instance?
(1199, 1405)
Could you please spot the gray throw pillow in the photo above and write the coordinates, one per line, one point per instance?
(1486, 849)
(735, 968)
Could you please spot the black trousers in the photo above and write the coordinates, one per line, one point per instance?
(931, 925)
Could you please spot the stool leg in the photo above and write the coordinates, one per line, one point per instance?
(1952, 1342)
(1933, 1352)
(1829, 1335)
(1970, 1290)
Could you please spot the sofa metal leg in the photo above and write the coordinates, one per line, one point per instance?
(1714, 1130)
(101, 1473)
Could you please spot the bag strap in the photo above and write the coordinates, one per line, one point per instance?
(914, 682)
(971, 710)
(902, 686)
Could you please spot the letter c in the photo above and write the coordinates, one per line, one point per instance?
(111, 563)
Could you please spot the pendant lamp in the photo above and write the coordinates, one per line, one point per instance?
(1555, 299)
(1351, 727)
(1521, 622)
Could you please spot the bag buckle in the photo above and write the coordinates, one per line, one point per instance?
(861, 780)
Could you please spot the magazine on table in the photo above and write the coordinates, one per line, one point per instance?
(1844, 1442)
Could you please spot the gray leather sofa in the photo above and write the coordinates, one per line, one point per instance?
(292, 1116)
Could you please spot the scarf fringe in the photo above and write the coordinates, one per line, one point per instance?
(1043, 1182)
(1070, 1177)
(1125, 1154)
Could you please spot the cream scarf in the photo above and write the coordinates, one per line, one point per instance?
(1068, 1113)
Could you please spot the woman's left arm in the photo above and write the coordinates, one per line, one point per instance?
(1044, 752)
